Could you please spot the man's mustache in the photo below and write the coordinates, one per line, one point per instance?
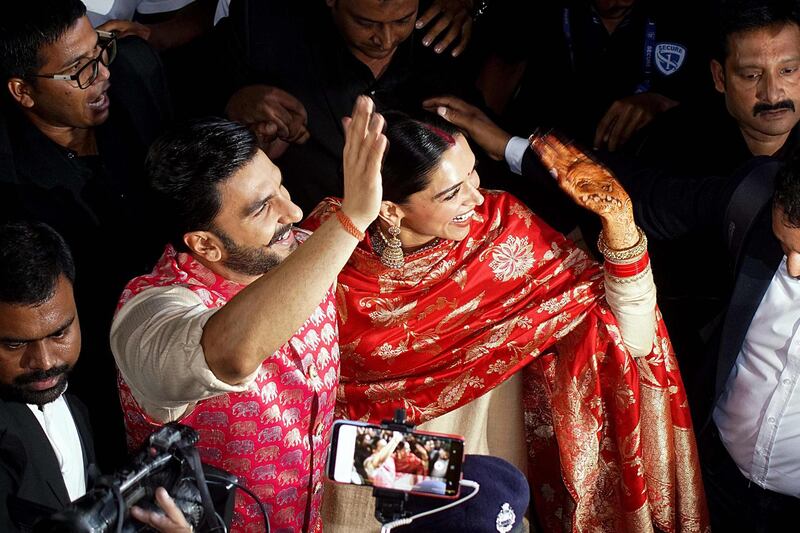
(278, 233)
(41, 375)
(761, 108)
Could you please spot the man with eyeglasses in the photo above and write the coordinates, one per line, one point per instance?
(72, 145)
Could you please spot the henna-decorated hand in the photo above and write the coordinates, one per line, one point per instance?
(591, 185)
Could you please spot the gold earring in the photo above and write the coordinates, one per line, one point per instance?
(392, 255)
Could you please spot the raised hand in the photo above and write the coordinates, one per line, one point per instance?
(453, 19)
(364, 146)
(591, 185)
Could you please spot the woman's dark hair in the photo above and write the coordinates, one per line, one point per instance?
(415, 149)
(32, 258)
(187, 164)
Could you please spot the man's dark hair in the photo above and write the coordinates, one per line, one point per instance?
(742, 16)
(415, 150)
(187, 164)
(32, 258)
(787, 191)
(28, 25)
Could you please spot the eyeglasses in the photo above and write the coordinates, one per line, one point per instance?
(86, 75)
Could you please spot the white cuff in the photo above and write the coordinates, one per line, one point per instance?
(515, 151)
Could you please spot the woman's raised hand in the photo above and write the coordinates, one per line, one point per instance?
(590, 185)
(364, 146)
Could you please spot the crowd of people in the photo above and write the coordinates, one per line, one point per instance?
(390, 459)
(255, 217)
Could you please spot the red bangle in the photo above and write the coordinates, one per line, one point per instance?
(348, 225)
(627, 270)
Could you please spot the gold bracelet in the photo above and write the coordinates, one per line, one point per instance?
(348, 225)
(626, 255)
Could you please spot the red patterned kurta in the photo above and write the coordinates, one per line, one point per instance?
(273, 436)
(610, 439)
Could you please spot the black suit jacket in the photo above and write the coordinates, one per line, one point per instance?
(668, 206)
(761, 256)
(28, 465)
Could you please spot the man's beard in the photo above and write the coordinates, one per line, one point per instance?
(251, 261)
(18, 392)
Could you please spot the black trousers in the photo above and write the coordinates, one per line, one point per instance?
(734, 502)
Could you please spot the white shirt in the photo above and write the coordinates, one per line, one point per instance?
(758, 414)
(100, 11)
(223, 7)
(59, 426)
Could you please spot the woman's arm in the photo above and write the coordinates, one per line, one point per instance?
(630, 291)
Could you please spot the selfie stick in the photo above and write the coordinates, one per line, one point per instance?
(390, 505)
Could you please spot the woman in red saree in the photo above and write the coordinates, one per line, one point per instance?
(461, 306)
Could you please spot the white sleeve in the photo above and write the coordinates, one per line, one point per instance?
(633, 302)
(147, 7)
(515, 151)
(155, 339)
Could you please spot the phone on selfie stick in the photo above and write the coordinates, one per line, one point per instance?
(388, 458)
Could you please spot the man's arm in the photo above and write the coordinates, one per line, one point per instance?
(174, 29)
(261, 318)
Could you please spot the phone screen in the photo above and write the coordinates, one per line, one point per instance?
(417, 462)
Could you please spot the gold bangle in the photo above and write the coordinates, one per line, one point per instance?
(626, 255)
(348, 225)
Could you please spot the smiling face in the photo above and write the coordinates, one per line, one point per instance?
(255, 218)
(445, 207)
(39, 345)
(59, 103)
(761, 80)
(373, 29)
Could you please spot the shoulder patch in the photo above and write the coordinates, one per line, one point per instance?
(669, 57)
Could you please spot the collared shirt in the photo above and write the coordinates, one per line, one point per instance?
(59, 426)
(758, 414)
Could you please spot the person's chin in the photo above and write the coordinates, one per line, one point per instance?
(37, 393)
(375, 53)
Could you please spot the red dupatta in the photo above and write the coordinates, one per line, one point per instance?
(461, 317)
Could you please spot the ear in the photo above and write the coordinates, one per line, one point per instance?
(204, 244)
(391, 213)
(718, 74)
(330, 3)
(21, 92)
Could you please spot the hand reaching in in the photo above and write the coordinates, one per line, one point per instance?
(473, 121)
(453, 20)
(626, 116)
(170, 521)
(277, 118)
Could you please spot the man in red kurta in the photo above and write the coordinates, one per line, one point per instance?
(234, 331)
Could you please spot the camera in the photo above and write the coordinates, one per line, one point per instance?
(168, 459)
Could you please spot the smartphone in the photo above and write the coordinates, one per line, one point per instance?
(411, 461)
